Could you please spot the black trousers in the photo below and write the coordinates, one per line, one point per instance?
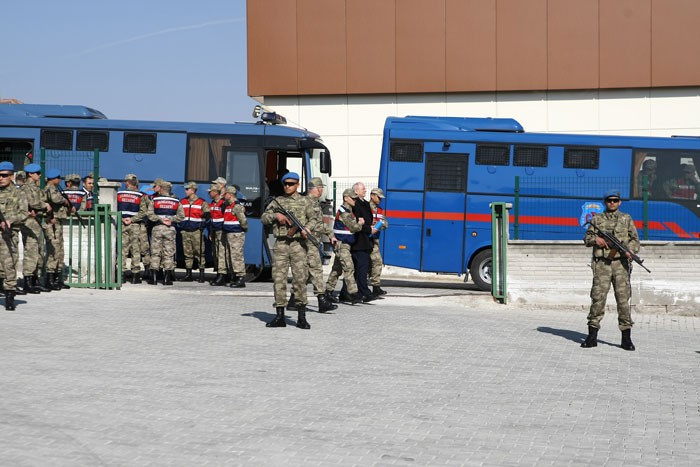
(361, 260)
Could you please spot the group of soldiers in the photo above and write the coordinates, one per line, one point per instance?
(152, 216)
(36, 216)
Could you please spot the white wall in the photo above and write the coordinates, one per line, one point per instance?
(352, 126)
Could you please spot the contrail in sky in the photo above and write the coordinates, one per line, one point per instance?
(159, 33)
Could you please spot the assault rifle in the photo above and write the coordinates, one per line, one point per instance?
(614, 243)
(290, 215)
(3, 221)
(70, 206)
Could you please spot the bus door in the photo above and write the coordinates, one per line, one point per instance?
(444, 205)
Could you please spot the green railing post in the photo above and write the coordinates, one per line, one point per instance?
(499, 246)
(516, 209)
(645, 207)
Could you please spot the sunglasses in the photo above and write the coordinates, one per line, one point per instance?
(290, 183)
(612, 200)
(5, 175)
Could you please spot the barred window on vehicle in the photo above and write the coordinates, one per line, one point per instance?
(581, 158)
(57, 139)
(142, 143)
(530, 156)
(406, 152)
(492, 154)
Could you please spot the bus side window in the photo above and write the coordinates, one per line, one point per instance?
(645, 165)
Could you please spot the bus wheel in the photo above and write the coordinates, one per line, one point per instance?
(480, 270)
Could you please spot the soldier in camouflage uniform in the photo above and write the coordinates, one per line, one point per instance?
(344, 229)
(191, 229)
(610, 266)
(290, 248)
(234, 227)
(12, 213)
(53, 230)
(134, 211)
(314, 256)
(32, 233)
(379, 223)
(216, 235)
(144, 228)
(165, 211)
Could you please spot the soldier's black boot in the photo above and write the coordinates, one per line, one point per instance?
(376, 290)
(301, 320)
(188, 276)
(168, 277)
(219, 280)
(38, 286)
(153, 280)
(29, 286)
(592, 339)
(238, 282)
(54, 281)
(627, 340)
(59, 281)
(20, 289)
(136, 278)
(330, 297)
(200, 279)
(292, 303)
(2, 280)
(324, 305)
(9, 300)
(279, 321)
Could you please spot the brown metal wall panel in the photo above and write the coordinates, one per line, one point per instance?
(675, 43)
(272, 63)
(470, 45)
(420, 46)
(321, 42)
(371, 40)
(521, 44)
(572, 44)
(625, 43)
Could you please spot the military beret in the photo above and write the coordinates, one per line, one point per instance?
(32, 168)
(290, 176)
(349, 192)
(6, 166)
(53, 173)
(377, 191)
(612, 194)
(315, 182)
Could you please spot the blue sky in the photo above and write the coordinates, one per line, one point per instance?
(147, 59)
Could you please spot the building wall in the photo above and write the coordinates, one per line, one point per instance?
(352, 125)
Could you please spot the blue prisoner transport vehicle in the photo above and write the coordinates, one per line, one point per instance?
(250, 156)
(439, 175)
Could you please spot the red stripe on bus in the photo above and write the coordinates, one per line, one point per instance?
(676, 229)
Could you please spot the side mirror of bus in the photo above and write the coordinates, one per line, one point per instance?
(326, 163)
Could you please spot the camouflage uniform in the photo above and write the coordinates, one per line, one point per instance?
(11, 208)
(163, 236)
(314, 256)
(375, 256)
(31, 229)
(127, 201)
(342, 263)
(235, 242)
(144, 243)
(290, 248)
(610, 267)
(54, 231)
(192, 232)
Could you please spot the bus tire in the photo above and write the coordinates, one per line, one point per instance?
(480, 270)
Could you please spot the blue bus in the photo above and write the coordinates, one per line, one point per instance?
(439, 175)
(249, 155)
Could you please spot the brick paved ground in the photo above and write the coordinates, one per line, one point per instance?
(189, 375)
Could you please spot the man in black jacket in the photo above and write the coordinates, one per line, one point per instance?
(364, 244)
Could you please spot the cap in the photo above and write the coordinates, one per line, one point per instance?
(20, 175)
(147, 189)
(649, 164)
(612, 194)
(349, 192)
(214, 187)
(166, 185)
(231, 190)
(688, 168)
(192, 185)
(315, 182)
(74, 178)
(132, 178)
(157, 182)
(377, 191)
(290, 176)
(32, 168)
(220, 181)
(53, 173)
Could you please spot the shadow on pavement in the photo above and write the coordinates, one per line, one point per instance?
(430, 285)
(262, 316)
(573, 336)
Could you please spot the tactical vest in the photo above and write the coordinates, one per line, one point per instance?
(75, 197)
(216, 210)
(194, 216)
(231, 222)
(88, 200)
(683, 190)
(342, 231)
(165, 206)
(377, 215)
(128, 202)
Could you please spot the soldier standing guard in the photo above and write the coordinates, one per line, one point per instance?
(74, 193)
(165, 211)
(144, 232)
(130, 204)
(196, 213)
(11, 212)
(234, 229)
(53, 230)
(31, 230)
(609, 266)
(216, 211)
(379, 223)
(290, 248)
